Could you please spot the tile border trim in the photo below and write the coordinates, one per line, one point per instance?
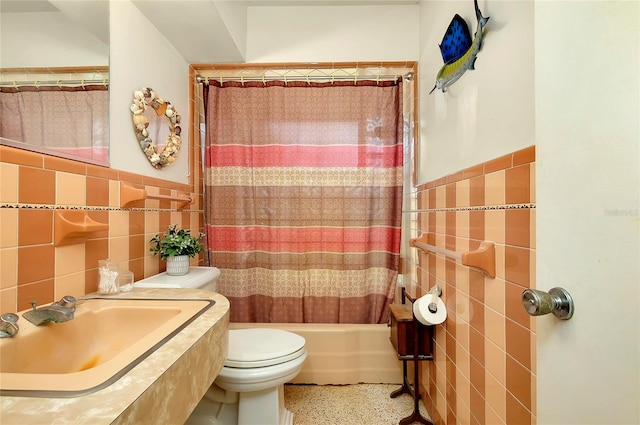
(475, 208)
(88, 208)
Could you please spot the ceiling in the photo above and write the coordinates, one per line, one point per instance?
(21, 6)
(330, 2)
(186, 22)
(86, 14)
(208, 20)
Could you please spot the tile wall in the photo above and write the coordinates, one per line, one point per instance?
(34, 186)
(484, 357)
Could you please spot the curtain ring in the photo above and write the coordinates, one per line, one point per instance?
(15, 86)
(58, 84)
(242, 80)
(308, 81)
(82, 83)
(264, 83)
(35, 83)
(378, 80)
(355, 80)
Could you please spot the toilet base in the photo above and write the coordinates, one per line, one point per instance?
(265, 407)
(220, 407)
(217, 407)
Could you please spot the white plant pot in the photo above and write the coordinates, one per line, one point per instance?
(178, 265)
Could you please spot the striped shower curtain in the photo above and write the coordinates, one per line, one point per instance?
(303, 192)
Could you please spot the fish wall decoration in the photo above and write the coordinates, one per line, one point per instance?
(458, 50)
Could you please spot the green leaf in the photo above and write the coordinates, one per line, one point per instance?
(176, 242)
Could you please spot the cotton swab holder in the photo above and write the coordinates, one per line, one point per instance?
(108, 275)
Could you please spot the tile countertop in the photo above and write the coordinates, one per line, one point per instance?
(162, 389)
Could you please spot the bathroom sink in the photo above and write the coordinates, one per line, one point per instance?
(106, 339)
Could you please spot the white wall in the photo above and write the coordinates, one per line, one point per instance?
(489, 111)
(332, 33)
(588, 199)
(48, 39)
(141, 56)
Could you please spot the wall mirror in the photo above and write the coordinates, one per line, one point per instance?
(159, 143)
(54, 77)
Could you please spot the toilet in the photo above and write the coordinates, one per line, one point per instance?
(249, 389)
(250, 386)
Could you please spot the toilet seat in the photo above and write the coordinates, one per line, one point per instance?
(262, 347)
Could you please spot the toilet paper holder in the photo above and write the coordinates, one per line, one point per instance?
(556, 301)
(436, 291)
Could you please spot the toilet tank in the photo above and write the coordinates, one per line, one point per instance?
(197, 278)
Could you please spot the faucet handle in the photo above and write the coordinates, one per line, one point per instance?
(9, 318)
(9, 325)
(68, 301)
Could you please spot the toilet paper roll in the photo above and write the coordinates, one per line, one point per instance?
(426, 317)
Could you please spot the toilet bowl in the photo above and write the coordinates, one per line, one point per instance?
(249, 390)
(259, 363)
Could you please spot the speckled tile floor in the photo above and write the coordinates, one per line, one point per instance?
(362, 404)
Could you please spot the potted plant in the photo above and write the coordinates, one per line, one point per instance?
(176, 247)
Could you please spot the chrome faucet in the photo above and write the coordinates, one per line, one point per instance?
(58, 312)
(9, 325)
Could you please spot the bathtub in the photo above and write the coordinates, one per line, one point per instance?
(342, 354)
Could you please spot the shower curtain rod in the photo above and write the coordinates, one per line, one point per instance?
(306, 78)
(60, 82)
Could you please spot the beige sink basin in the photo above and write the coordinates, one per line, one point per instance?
(106, 339)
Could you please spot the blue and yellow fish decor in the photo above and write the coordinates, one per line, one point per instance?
(458, 50)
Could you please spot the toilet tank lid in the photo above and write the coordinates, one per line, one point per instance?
(261, 344)
(196, 278)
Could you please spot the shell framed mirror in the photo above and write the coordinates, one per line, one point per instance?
(157, 127)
